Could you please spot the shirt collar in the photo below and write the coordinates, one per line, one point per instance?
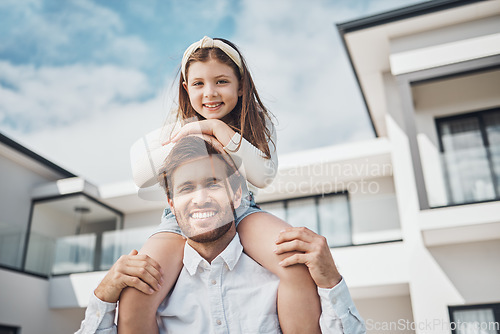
(230, 256)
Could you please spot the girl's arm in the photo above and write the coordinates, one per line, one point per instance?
(256, 168)
(148, 153)
(137, 311)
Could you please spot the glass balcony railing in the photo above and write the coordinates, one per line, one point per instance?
(73, 254)
(66, 235)
(11, 246)
(83, 253)
(117, 243)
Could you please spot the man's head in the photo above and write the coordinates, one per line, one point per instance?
(203, 187)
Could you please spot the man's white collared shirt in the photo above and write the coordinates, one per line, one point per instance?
(233, 294)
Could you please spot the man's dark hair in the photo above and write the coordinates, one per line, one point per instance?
(188, 149)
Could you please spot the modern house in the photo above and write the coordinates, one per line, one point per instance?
(430, 77)
(412, 216)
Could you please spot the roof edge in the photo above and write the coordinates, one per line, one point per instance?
(32, 155)
(388, 17)
(401, 14)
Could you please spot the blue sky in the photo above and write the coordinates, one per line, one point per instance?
(81, 80)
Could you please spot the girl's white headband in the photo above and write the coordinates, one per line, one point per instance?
(207, 42)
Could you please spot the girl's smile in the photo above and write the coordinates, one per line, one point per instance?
(213, 88)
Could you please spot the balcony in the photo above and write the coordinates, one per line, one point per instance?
(73, 233)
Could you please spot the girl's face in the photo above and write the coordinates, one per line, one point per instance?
(213, 88)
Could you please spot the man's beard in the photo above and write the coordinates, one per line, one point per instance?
(212, 235)
(227, 217)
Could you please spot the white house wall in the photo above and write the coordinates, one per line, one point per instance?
(446, 34)
(17, 183)
(473, 268)
(144, 218)
(446, 45)
(25, 304)
(387, 315)
(374, 211)
(430, 288)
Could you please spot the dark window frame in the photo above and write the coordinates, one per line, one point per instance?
(52, 198)
(494, 306)
(479, 115)
(316, 202)
(13, 329)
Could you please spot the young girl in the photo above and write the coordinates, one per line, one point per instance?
(217, 89)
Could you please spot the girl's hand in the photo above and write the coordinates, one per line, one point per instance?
(212, 127)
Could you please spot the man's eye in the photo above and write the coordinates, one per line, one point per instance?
(214, 185)
(185, 189)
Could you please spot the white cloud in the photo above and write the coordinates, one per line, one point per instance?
(98, 146)
(78, 30)
(34, 99)
(302, 71)
(85, 117)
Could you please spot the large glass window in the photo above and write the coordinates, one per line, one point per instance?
(470, 146)
(475, 319)
(66, 235)
(303, 212)
(327, 215)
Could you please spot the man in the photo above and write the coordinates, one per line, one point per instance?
(220, 289)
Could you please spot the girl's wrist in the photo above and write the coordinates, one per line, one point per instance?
(222, 132)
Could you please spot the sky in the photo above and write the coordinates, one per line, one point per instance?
(81, 80)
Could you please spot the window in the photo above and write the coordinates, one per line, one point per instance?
(327, 215)
(475, 319)
(470, 146)
(9, 329)
(66, 235)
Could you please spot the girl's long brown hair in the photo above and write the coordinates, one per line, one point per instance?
(249, 117)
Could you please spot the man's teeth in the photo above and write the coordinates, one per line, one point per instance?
(203, 215)
(213, 105)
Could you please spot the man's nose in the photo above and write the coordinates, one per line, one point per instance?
(200, 196)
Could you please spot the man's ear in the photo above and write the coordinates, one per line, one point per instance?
(171, 204)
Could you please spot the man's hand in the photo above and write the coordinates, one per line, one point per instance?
(137, 271)
(315, 255)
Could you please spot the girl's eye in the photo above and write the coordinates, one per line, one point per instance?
(222, 81)
(197, 83)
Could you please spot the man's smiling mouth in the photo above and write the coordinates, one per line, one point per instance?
(203, 214)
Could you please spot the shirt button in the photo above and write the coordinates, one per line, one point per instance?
(213, 283)
(219, 322)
